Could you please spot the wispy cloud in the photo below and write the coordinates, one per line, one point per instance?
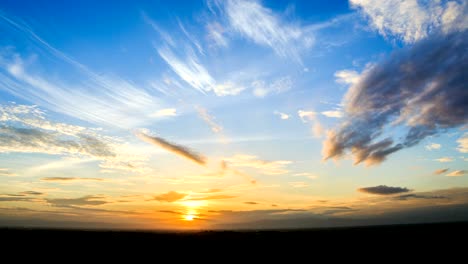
(174, 148)
(384, 190)
(311, 116)
(433, 146)
(107, 100)
(6, 172)
(264, 167)
(212, 197)
(216, 34)
(89, 200)
(170, 197)
(166, 112)
(209, 119)
(444, 159)
(457, 173)
(264, 27)
(281, 115)
(403, 91)
(463, 143)
(277, 86)
(333, 113)
(69, 179)
(347, 76)
(440, 171)
(299, 184)
(412, 20)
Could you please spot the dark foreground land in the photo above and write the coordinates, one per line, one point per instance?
(425, 238)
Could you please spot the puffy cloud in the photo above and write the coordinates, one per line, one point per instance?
(88, 200)
(347, 76)
(457, 173)
(264, 167)
(440, 171)
(170, 197)
(413, 20)
(444, 159)
(384, 190)
(283, 116)
(463, 143)
(433, 146)
(421, 87)
(174, 148)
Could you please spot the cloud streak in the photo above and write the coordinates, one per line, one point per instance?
(69, 179)
(384, 190)
(421, 87)
(174, 148)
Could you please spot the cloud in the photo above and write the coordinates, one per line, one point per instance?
(417, 196)
(88, 200)
(280, 85)
(413, 20)
(166, 112)
(347, 76)
(69, 179)
(216, 34)
(420, 88)
(384, 190)
(264, 167)
(317, 128)
(16, 199)
(299, 184)
(307, 174)
(433, 146)
(176, 149)
(26, 129)
(334, 114)
(97, 98)
(261, 25)
(170, 197)
(440, 171)
(457, 173)
(251, 203)
(211, 191)
(31, 193)
(210, 120)
(444, 159)
(196, 75)
(212, 197)
(6, 172)
(463, 143)
(283, 116)
(29, 140)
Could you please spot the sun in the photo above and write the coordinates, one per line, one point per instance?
(189, 217)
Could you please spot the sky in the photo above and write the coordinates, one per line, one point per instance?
(235, 114)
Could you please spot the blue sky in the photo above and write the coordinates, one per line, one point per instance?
(230, 105)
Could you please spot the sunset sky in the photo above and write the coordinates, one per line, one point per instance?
(233, 114)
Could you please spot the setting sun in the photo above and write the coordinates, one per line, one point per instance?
(189, 217)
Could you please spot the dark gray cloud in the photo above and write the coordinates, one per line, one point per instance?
(418, 196)
(31, 193)
(169, 197)
(384, 190)
(422, 87)
(67, 179)
(251, 203)
(441, 171)
(29, 140)
(16, 198)
(85, 200)
(174, 148)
